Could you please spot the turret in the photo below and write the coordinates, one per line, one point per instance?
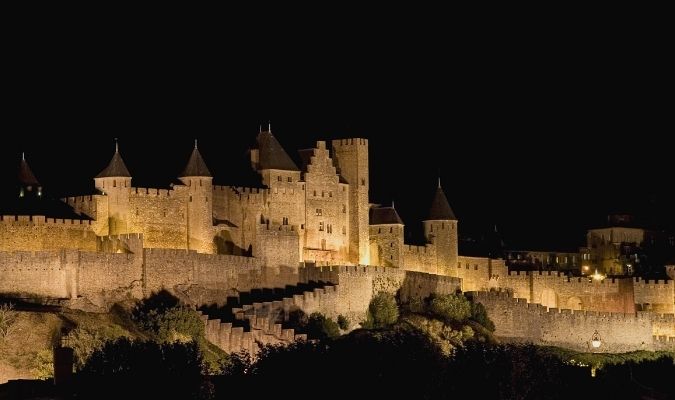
(386, 237)
(440, 228)
(351, 157)
(197, 177)
(28, 184)
(115, 183)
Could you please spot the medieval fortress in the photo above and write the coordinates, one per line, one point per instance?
(312, 228)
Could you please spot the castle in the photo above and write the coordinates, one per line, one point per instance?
(308, 224)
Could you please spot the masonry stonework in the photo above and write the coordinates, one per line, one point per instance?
(309, 224)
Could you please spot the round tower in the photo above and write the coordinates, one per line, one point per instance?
(114, 182)
(197, 177)
(440, 228)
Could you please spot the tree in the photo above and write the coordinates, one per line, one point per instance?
(382, 311)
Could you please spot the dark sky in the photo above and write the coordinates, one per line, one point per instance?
(542, 142)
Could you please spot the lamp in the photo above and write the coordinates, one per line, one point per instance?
(595, 340)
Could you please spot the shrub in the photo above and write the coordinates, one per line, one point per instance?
(451, 307)
(7, 318)
(382, 311)
(43, 365)
(167, 321)
(320, 327)
(479, 314)
(343, 322)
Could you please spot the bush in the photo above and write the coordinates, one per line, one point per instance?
(43, 365)
(479, 314)
(7, 318)
(450, 307)
(343, 322)
(167, 321)
(320, 327)
(382, 311)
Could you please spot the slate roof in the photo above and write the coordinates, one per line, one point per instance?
(116, 167)
(272, 155)
(25, 175)
(384, 215)
(196, 165)
(440, 208)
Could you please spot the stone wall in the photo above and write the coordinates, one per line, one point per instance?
(654, 295)
(420, 258)
(518, 320)
(37, 233)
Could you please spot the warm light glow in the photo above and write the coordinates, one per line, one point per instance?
(595, 340)
(585, 267)
(598, 276)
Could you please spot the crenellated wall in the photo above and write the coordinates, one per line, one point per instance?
(37, 233)
(518, 320)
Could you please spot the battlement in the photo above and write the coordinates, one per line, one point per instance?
(78, 199)
(154, 192)
(664, 283)
(350, 142)
(41, 219)
(410, 248)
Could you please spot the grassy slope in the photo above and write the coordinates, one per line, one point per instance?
(36, 332)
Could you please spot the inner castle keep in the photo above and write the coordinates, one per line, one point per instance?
(311, 222)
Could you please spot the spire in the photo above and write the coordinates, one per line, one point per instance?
(439, 182)
(196, 165)
(269, 126)
(25, 175)
(392, 204)
(116, 167)
(440, 208)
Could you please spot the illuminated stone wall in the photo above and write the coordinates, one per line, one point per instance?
(38, 233)
(518, 320)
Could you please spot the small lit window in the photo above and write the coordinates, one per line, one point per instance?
(319, 212)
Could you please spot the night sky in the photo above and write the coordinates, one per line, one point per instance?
(542, 145)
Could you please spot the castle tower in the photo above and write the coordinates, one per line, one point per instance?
(351, 156)
(197, 177)
(115, 183)
(272, 161)
(386, 237)
(28, 184)
(440, 228)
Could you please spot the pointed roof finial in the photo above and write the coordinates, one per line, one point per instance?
(23, 156)
(392, 204)
(195, 144)
(269, 126)
(439, 181)
(117, 146)
(259, 128)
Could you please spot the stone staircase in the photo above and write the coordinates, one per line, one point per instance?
(256, 318)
